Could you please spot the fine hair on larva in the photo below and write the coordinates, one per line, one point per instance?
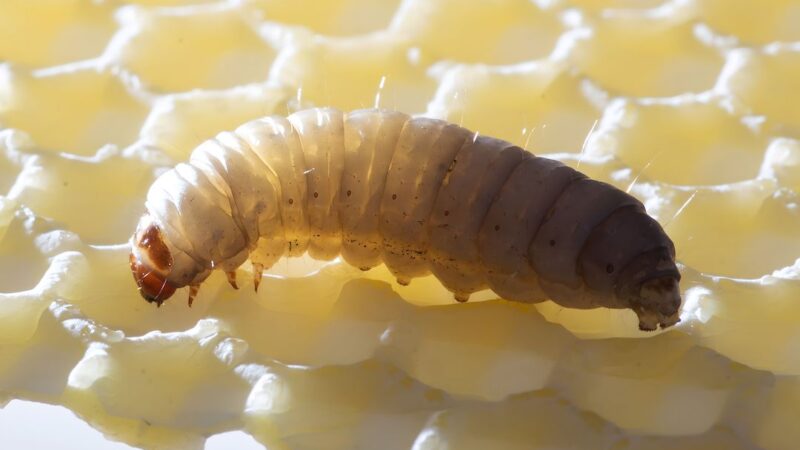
(419, 195)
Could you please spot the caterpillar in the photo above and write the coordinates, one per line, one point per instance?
(419, 195)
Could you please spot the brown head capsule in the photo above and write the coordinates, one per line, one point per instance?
(150, 262)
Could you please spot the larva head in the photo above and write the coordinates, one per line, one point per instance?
(151, 263)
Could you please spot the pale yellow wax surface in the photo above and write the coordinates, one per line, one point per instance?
(691, 105)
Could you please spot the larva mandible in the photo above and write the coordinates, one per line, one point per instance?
(418, 194)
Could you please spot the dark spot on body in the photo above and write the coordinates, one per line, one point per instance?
(348, 193)
(552, 243)
(497, 228)
(446, 213)
(394, 196)
(316, 194)
(610, 268)
(291, 201)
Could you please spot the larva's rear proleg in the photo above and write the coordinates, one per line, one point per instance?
(649, 286)
(232, 279)
(658, 303)
(417, 194)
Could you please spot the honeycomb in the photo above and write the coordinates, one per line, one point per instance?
(691, 105)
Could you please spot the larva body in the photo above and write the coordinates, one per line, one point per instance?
(419, 195)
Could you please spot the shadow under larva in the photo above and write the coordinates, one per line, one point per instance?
(417, 194)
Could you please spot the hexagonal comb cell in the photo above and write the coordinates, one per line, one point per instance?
(180, 49)
(680, 141)
(76, 109)
(752, 22)
(331, 18)
(446, 30)
(650, 55)
(382, 70)
(755, 77)
(49, 33)
(541, 107)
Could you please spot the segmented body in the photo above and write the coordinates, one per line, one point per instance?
(417, 194)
